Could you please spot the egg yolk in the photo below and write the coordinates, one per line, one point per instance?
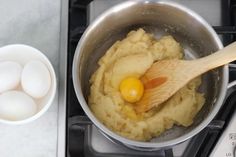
(131, 89)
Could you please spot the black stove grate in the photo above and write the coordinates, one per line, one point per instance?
(200, 145)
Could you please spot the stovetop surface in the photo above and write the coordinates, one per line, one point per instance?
(83, 139)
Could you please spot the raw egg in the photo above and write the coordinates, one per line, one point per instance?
(36, 79)
(131, 89)
(10, 74)
(16, 105)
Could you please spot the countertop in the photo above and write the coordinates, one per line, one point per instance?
(35, 23)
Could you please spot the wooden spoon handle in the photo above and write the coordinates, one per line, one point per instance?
(219, 58)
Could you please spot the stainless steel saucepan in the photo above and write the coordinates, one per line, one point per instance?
(159, 18)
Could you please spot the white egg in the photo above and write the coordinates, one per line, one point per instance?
(16, 105)
(35, 79)
(10, 74)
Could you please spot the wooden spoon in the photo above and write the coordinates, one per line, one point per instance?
(166, 77)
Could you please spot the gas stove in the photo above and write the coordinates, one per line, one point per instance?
(218, 139)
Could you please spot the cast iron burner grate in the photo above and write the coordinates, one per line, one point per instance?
(199, 146)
